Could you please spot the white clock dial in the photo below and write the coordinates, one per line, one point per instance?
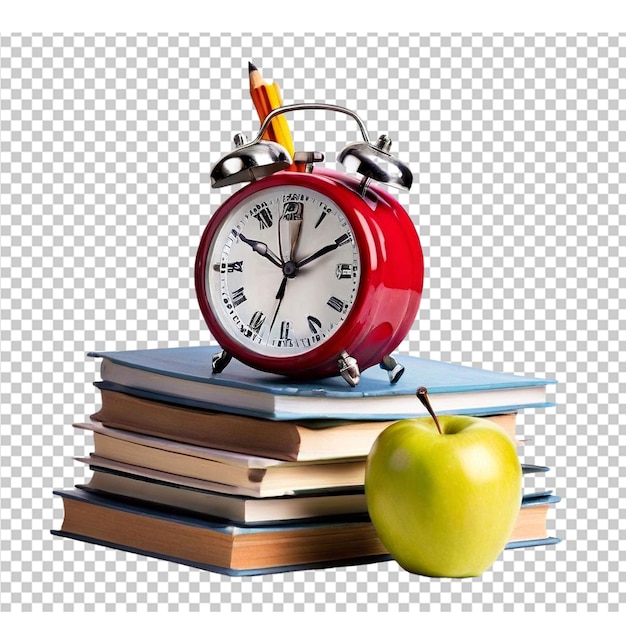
(283, 271)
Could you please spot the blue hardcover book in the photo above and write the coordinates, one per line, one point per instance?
(228, 548)
(535, 507)
(184, 376)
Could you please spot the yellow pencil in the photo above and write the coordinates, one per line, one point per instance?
(267, 97)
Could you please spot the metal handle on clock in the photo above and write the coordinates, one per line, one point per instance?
(288, 108)
(261, 158)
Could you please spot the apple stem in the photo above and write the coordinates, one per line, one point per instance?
(422, 394)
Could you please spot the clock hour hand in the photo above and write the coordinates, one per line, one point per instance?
(261, 248)
(325, 250)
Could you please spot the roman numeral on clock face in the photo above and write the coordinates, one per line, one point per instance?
(264, 217)
(256, 321)
(292, 211)
(314, 324)
(238, 297)
(345, 270)
(285, 329)
(336, 303)
(345, 238)
(235, 266)
(320, 219)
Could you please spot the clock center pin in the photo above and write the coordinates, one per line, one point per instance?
(290, 269)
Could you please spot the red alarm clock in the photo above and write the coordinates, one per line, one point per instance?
(314, 273)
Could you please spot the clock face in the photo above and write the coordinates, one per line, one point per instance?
(283, 271)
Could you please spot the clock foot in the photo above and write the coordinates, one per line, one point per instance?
(349, 369)
(393, 368)
(220, 361)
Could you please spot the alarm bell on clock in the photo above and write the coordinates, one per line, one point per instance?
(261, 158)
(310, 273)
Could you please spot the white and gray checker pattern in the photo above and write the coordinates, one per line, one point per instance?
(518, 145)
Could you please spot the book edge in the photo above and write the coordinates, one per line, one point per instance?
(226, 571)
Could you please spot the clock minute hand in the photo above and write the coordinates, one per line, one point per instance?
(325, 250)
(261, 248)
(279, 299)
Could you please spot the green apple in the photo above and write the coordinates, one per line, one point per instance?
(444, 503)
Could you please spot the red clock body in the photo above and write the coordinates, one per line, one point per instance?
(299, 268)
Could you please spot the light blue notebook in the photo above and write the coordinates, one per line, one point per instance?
(184, 376)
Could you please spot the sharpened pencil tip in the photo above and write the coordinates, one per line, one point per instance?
(252, 67)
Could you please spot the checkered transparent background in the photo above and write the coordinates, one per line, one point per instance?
(518, 145)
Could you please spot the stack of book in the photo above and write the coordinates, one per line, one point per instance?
(244, 472)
